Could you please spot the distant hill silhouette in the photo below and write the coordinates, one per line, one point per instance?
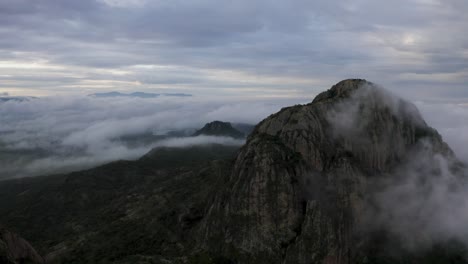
(137, 95)
(219, 128)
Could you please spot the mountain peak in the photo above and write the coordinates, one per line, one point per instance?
(343, 89)
(219, 128)
(303, 178)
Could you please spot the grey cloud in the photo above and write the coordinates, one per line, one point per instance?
(110, 152)
(296, 39)
(350, 119)
(86, 131)
(55, 134)
(198, 140)
(423, 200)
(450, 120)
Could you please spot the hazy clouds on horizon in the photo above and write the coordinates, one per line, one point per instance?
(83, 131)
(46, 134)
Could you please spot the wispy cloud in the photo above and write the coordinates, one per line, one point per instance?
(450, 119)
(50, 134)
(414, 188)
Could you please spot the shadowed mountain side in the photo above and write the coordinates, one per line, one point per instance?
(166, 157)
(16, 250)
(244, 128)
(125, 211)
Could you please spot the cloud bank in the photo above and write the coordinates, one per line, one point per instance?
(423, 200)
(50, 134)
(54, 134)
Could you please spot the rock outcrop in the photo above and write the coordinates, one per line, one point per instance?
(299, 188)
(16, 250)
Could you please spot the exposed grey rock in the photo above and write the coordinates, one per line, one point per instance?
(14, 249)
(300, 184)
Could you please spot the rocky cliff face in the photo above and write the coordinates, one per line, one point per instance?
(299, 189)
(14, 249)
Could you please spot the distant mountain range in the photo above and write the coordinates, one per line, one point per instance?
(138, 94)
(6, 98)
(16, 98)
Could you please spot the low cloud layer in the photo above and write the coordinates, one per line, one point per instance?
(198, 140)
(51, 134)
(55, 163)
(451, 120)
(425, 201)
(421, 195)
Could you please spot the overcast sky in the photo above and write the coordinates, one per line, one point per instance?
(242, 48)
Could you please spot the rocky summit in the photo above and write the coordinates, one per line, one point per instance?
(303, 189)
(219, 128)
(299, 188)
